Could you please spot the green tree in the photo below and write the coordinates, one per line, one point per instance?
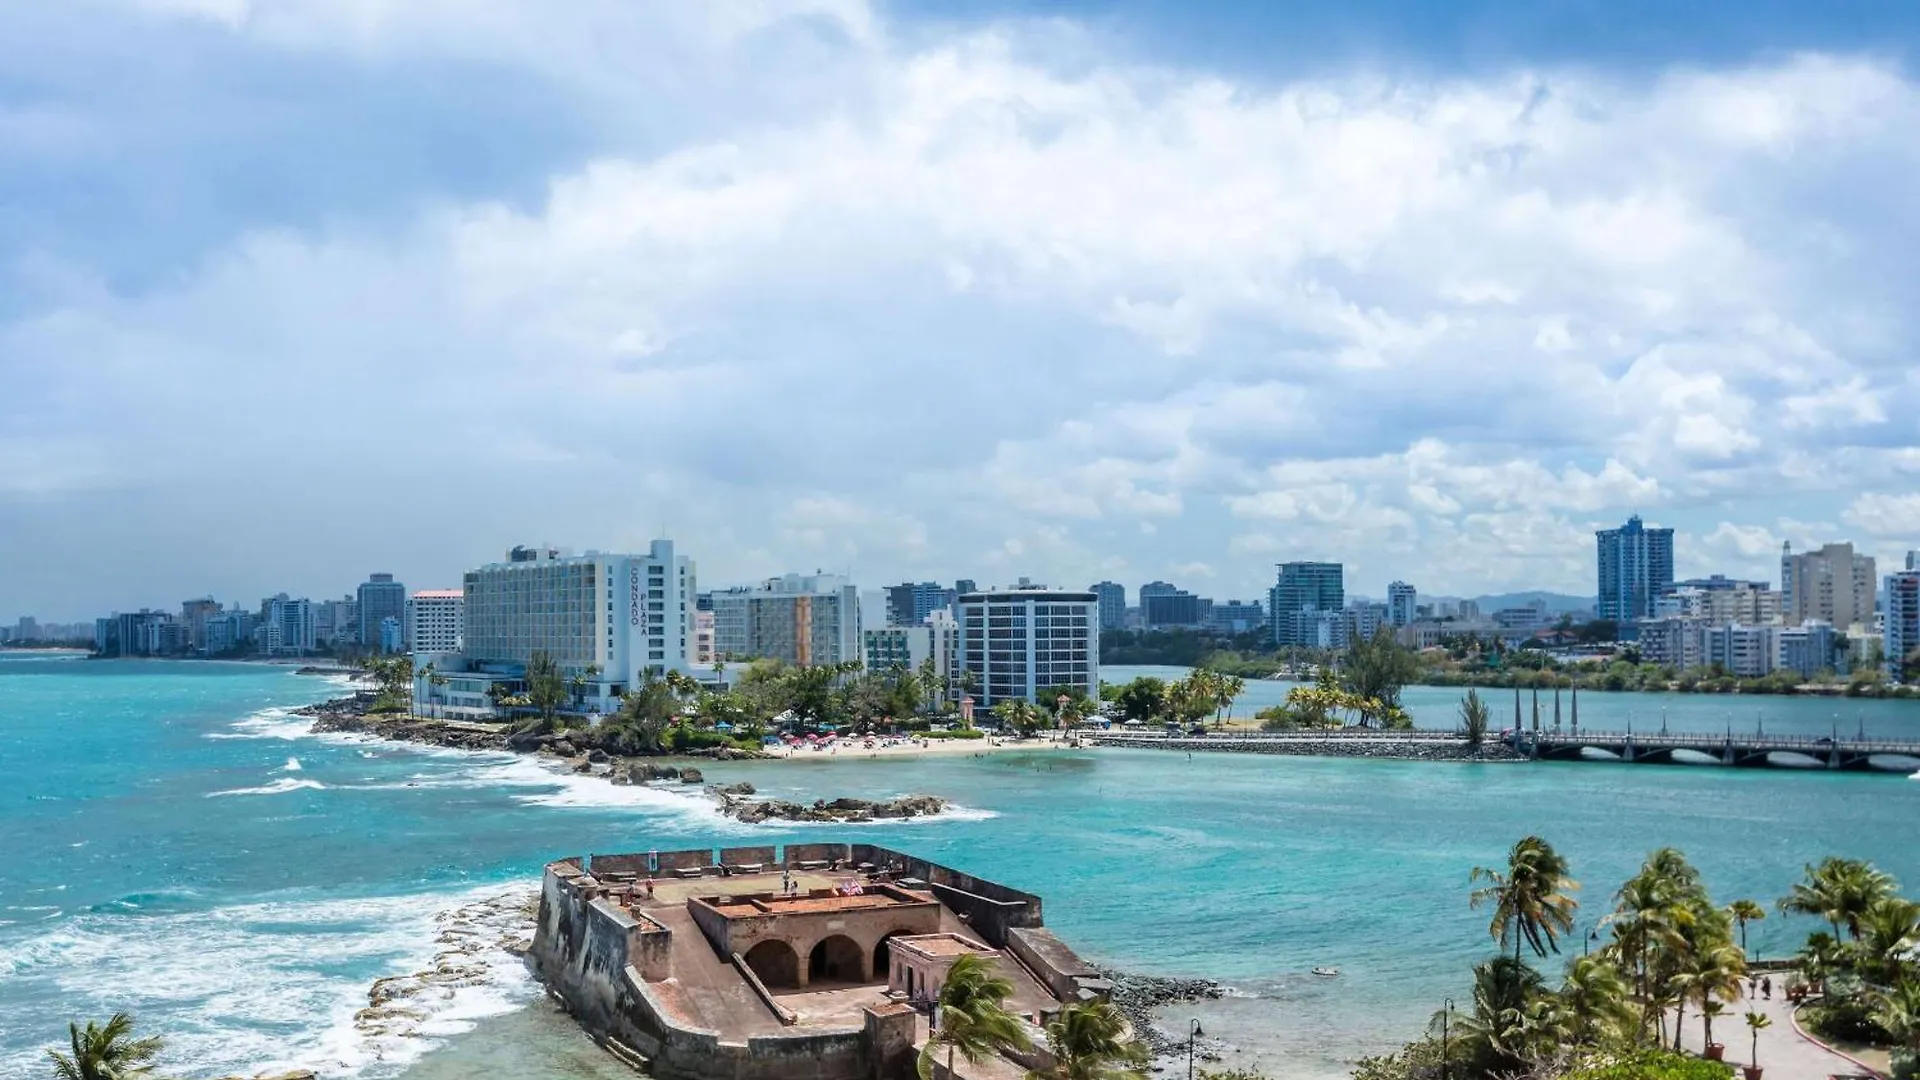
(1507, 1025)
(1475, 718)
(1744, 912)
(1757, 1022)
(1226, 689)
(1377, 668)
(1838, 891)
(1529, 899)
(1597, 995)
(1143, 699)
(1090, 1041)
(546, 687)
(1018, 714)
(1897, 1011)
(106, 1053)
(972, 1016)
(1709, 975)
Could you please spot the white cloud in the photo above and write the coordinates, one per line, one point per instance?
(1886, 516)
(953, 305)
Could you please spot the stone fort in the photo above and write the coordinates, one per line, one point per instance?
(802, 962)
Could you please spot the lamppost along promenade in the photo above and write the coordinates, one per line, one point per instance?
(1193, 1032)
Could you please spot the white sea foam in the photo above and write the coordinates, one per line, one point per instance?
(292, 765)
(278, 787)
(278, 722)
(284, 985)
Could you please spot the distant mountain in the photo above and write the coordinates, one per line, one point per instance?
(1556, 602)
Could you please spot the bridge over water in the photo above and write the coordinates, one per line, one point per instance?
(1756, 750)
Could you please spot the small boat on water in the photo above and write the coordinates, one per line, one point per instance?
(1326, 972)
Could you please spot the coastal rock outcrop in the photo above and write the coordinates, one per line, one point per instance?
(754, 811)
(453, 736)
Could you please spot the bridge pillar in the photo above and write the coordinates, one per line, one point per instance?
(1726, 755)
(1833, 758)
(1627, 754)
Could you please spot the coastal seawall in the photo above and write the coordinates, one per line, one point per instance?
(1392, 745)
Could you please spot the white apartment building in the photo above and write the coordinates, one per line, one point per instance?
(1676, 641)
(1901, 633)
(627, 615)
(1018, 642)
(1747, 652)
(1831, 583)
(799, 619)
(435, 618)
(1740, 604)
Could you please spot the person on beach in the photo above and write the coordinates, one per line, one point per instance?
(1766, 987)
(649, 888)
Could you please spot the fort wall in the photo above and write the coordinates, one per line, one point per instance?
(613, 968)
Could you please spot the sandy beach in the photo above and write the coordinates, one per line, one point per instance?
(855, 750)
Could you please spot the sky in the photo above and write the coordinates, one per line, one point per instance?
(296, 290)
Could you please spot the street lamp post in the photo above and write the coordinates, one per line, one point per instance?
(1446, 1021)
(1193, 1032)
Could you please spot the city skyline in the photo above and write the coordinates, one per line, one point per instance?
(1437, 311)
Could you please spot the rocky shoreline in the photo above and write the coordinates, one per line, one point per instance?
(1138, 997)
(350, 715)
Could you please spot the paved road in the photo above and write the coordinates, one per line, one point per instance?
(1784, 1053)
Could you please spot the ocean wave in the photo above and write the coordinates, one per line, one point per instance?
(349, 987)
(292, 765)
(278, 787)
(276, 722)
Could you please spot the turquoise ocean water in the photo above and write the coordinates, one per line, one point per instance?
(172, 844)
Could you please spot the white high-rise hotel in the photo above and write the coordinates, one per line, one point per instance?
(626, 615)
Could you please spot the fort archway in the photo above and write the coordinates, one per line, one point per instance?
(838, 959)
(775, 963)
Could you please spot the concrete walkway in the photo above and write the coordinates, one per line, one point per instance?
(1785, 1054)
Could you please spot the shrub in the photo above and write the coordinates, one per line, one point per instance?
(1646, 1065)
(956, 733)
(1848, 1019)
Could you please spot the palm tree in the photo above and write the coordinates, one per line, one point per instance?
(1897, 1011)
(1475, 718)
(1597, 995)
(105, 1053)
(1756, 1023)
(1744, 912)
(972, 1016)
(1708, 974)
(1089, 1042)
(1504, 1020)
(1226, 689)
(1839, 891)
(1530, 901)
(1888, 933)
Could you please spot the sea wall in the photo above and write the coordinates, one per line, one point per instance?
(989, 908)
(1393, 745)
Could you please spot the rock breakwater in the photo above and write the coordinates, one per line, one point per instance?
(1140, 996)
(735, 804)
(1418, 746)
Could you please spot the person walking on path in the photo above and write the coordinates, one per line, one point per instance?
(1766, 987)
